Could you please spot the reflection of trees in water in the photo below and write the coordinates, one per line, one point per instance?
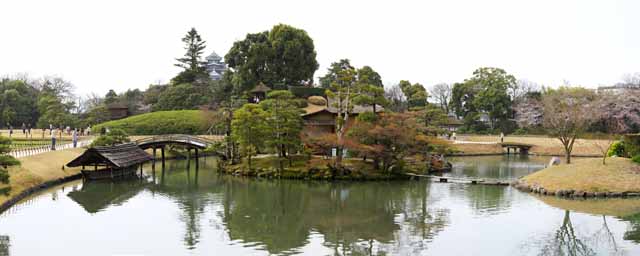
(486, 199)
(567, 241)
(502, 167)
(354, 218)
(633, 234)
(4, 245)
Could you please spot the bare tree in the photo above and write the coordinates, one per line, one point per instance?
(396, 98)
(442, 94)
(564, 114)
(523, 88)
(632, 80)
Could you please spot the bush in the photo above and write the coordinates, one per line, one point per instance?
(632, 144)
(306, 92)
(114, 137)
(636, 159)
(4, 175)
(617, 149)
(520, 131)
(161, 122)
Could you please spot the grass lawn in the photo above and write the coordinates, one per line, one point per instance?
(542, 145)
(39, 168)
(588, 174)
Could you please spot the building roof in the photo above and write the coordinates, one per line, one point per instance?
(330, 107)
(119, 156)
(117, 106)
(261, 88)
(95, 197)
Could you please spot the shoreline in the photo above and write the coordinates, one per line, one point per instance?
(585, 178)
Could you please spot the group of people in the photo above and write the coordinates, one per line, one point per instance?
(74, 133)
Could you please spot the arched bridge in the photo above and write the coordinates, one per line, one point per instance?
(188, 141)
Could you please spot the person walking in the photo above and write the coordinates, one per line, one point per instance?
(74, 138)
(10, 131)
(501, 137)
(24, 128)
(53, 138)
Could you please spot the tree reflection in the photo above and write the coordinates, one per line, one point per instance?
(567, 241)
(4, 245)
(633, 234)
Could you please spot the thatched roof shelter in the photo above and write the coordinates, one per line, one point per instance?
(97, 196)
(261, 88)
(117, 157)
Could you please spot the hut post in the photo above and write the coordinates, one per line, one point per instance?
(197, 164)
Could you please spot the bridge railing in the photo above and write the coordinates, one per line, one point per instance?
(190, 139)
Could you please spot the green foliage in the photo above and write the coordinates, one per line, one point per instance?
(53, 111)
(306, 92)
(485, 92)
(249, 129)
(332, 73)
(416, 94)
(617, 149)
(161, 122)
(636, 159)
(284, 122)
(182, 96)
(192, 60)
(17, 101)
(114, 137)
(632, 144)
(6, 160)
(280, 57)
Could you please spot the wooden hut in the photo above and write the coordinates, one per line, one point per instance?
(111, 161)
(259, 93)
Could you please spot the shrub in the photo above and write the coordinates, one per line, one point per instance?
(636, 159)
(161, 122)
(306, 92)
(6, 160)
(520, 131)
(617, 149)
(632, 144)
(114, 137)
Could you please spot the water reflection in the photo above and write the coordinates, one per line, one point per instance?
(505, 167)
(4, 245)
(196, 211)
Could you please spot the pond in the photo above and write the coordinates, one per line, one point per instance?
(195, 212)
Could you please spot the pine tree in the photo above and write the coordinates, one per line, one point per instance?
(5, 159)
(192, 60)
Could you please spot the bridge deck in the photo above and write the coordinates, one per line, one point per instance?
(445, 179)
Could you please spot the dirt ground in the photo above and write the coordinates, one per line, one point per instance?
(542, 145)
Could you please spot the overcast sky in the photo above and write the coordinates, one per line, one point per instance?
(101, 45)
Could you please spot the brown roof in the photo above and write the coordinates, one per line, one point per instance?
(119, 156)
(261, 88)
(357, 109)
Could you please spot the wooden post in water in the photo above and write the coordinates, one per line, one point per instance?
(162, 153)
(196, 150)
(188, 158)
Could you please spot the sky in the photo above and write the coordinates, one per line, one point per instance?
(102, 45)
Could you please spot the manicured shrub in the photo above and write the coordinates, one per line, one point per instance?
(306, 92)
(161, 122)
(636, 159)
(617, 149)
(632, 144)
(114, 137)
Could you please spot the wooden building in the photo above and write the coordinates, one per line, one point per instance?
(320, 115)
(117, 111)
(110, 162)
(259, 93)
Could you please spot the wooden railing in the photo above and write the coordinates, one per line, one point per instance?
(176, 138)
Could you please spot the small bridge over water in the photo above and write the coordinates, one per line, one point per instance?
(521, 148)
(190, 142)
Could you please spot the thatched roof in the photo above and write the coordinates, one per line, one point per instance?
(261, 88)
(119, 156)
(330, 107)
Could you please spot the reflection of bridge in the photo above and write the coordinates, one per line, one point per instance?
(187, 141)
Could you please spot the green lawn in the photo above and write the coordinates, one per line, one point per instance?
(161, 122)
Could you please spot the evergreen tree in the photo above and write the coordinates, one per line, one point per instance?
(5, 159)
(192, 60)
(249, 128)
(284, 122)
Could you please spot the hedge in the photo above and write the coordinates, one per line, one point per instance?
(306, 92)
(161, 122)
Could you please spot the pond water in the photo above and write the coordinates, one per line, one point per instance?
(195, 212)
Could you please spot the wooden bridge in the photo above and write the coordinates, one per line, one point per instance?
(474, 181)
(190, 142)
(521, 148)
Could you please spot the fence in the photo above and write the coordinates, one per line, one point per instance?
(38, 148)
